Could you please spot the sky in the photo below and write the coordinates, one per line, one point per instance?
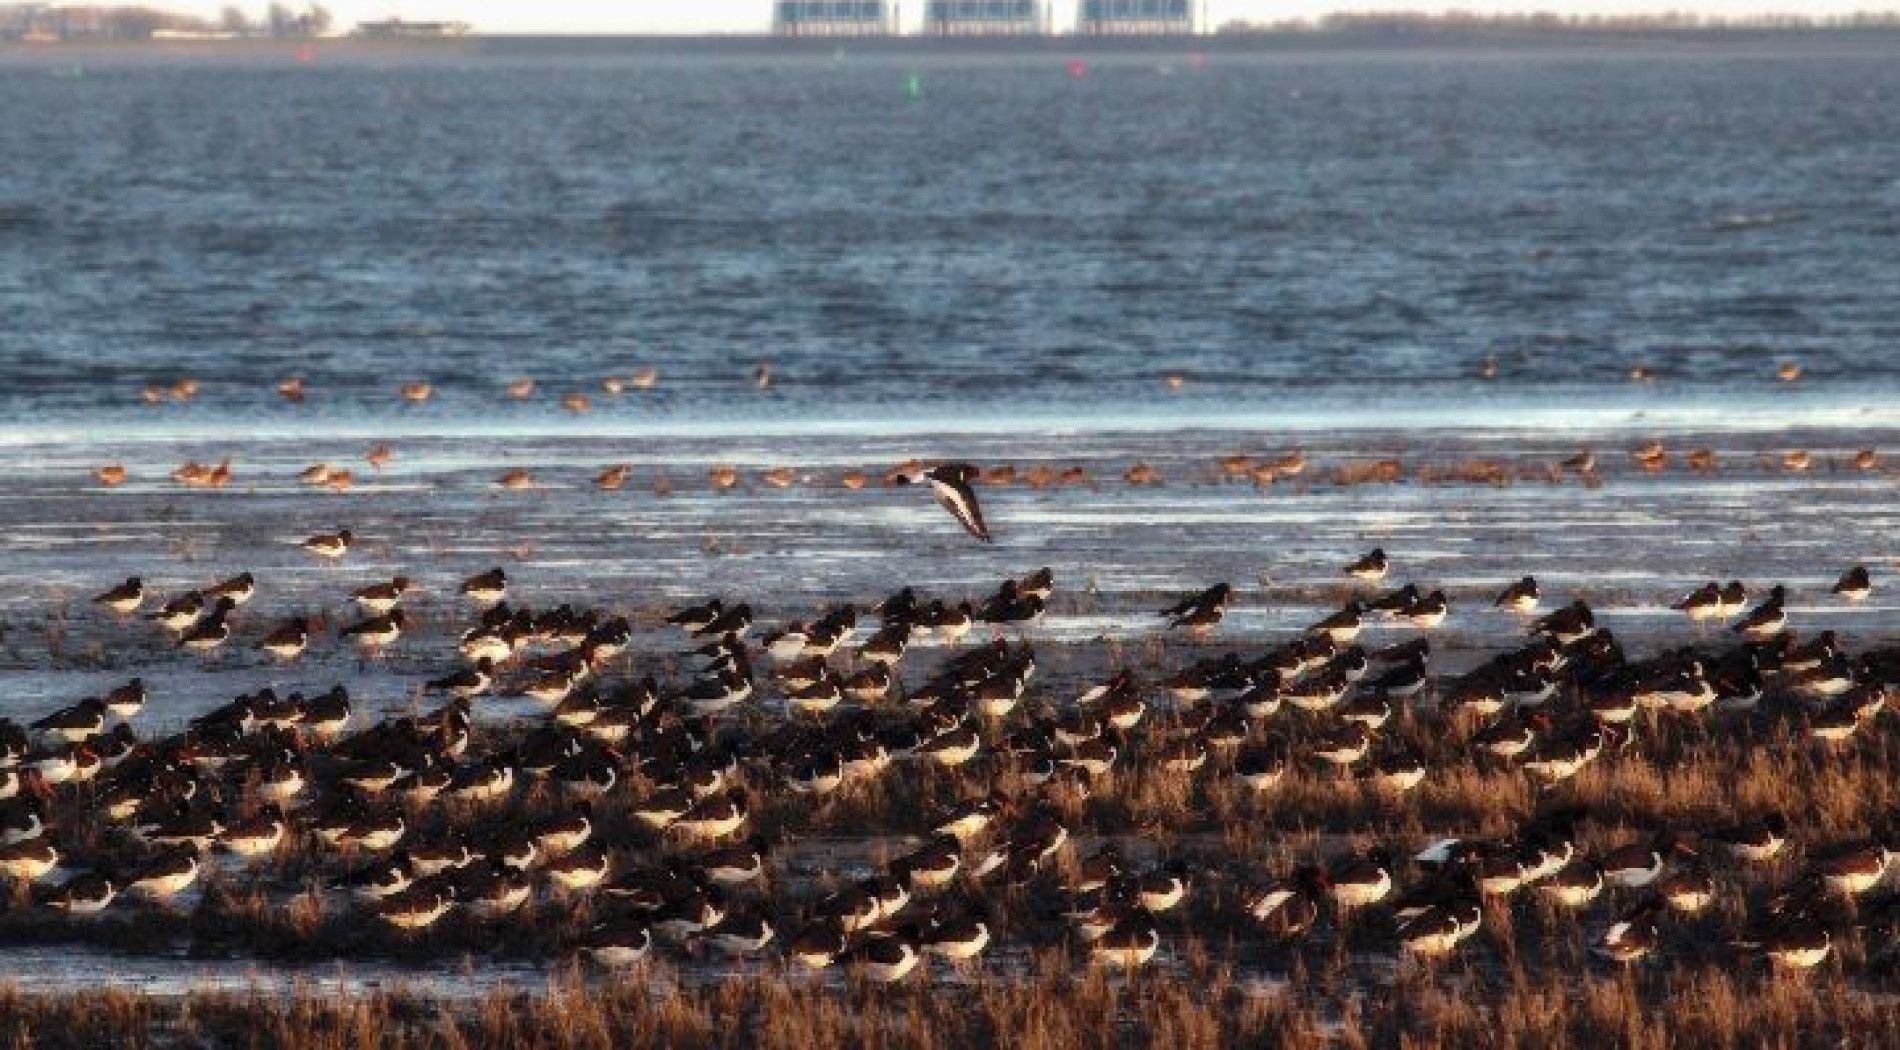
(754, 16)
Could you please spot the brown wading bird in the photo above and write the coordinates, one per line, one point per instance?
(204, 475)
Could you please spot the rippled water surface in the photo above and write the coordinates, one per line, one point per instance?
(1287, 231)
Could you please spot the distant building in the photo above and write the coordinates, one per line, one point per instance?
(1135, 17)
(833, 18)
(398, 29)
(986, 18)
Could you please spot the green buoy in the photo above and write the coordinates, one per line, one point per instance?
(913, 87)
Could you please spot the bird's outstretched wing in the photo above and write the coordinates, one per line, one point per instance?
(960, 500)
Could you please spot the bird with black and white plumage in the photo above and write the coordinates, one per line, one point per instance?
(820, 944)
(1688, 889)
(956, 933)
(166, 873)
(1440, 928)
(467, 683)
(969, 819)
(1344, 625)
(288, 640)
(419, 905)
(329, 545)
(953, 485)
(1130, 944)
(713, 817)
(378, 878)
(211, 631)
(125, 701)
(376, 633)
(1767, 619)
(324, 716)
(22, 820)
(695, 618)
(75, 724)
(737, 933)
(1633, 935)
(1288, 907)
(1428, 611)
(1575, 884)
(824, 635)
(1639, 864)
(618, 943)
(28, 859)
(732, 621)
(1853, 868)
(898, 607)
(1855, 585)
(1567, 625)
(1703, 603)
(87, 893)
(1200, 611)
(124, 599)
(486, 588)
(379, 598)
(1369, 568)
(1040, 583)
(1394, 602)
(239, 589)
(1009, 605)
(885, 957)
(1797, 944)
(787, 643)
(257, 835)
(1755, 841)
(1520, 597)
(178, 614)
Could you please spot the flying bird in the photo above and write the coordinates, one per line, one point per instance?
(950, 483)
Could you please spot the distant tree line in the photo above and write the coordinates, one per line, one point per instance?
(1425, 22)
(82, 23)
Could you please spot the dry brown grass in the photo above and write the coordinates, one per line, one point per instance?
(1045, 1010)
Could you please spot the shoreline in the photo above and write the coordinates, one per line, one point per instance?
(637, 416)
